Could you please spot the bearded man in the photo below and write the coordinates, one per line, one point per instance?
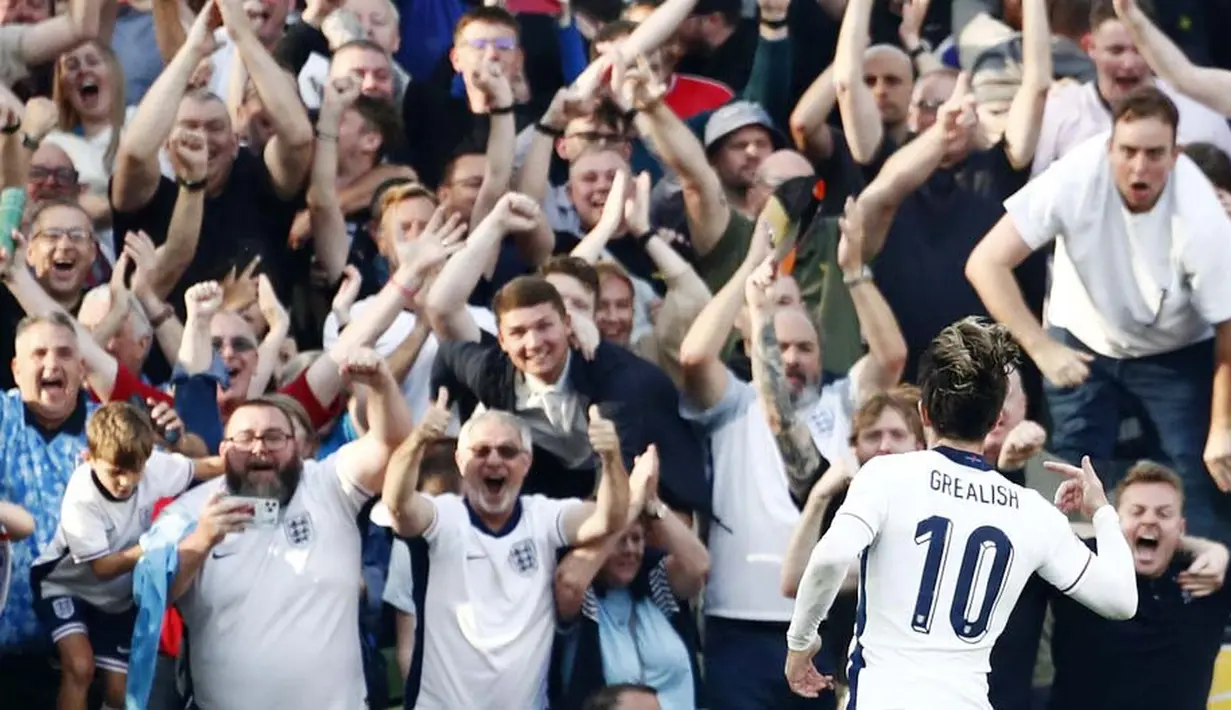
(268, 582)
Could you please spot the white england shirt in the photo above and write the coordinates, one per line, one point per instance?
(489, 614)
(94, 524)
(272, 614)
(954, 544)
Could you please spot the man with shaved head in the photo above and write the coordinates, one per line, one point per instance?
(777, 168)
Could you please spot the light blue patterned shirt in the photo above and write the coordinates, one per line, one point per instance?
(33, 473)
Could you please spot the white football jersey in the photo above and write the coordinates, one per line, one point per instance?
(954, 544)
(94, 524)
(271, 616)
(489, 612)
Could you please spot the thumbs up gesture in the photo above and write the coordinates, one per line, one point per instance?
(435, 422)
(603, 437)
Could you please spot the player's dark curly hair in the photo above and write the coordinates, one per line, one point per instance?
(963, 378)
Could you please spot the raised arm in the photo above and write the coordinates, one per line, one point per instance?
(799, 453)
(413, 513)
(1208, 85)
(911, 166)
(649, 35)
(498, 175)
(808, 529)
(221, 516)
(1025, 119)
(882, 367)
(329, 237)
(136, 163)
(608, 515)
(189, 157)
(809, 123)
(279, 321)
(592, 246)
(168, 330)
(680, 151)
(861, 120)
(44, 42)
(288, 155)
(446, 302)
(1105, 582)
(705, 375)
(388, 421)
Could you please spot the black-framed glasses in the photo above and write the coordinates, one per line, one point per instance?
(508, 452)
(60, 176)
(273, 439)
(238, 344)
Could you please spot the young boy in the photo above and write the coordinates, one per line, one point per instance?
(83, 579)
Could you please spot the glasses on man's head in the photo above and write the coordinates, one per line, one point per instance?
(504, 44)
(508, 452)
(65, 177)
(238, 344)
(273, 439)
(77, 235)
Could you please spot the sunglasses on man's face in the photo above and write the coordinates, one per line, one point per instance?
(508, 452)
(238, 344)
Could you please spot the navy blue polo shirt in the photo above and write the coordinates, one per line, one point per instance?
(1161, 658)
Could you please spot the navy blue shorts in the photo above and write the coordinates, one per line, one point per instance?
(109, 634)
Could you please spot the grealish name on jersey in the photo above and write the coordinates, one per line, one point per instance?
(985, 492)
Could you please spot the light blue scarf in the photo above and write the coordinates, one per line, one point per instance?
(152, 580)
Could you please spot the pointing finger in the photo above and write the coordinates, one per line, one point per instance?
(1063, 468)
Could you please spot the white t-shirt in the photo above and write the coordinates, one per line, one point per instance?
(417, 387)
(94, 524)
(1074, 113)
(272, 614)
(829, 417)
(489, 612)
(400, 582)
(1128, 285)
(753, 511)
(954, 544)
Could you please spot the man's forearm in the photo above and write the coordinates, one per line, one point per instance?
(193, 551)
(997, 288)
(183, 236)
(151, 125)
(277, 93)
(799, 453)
(1220, 411)
(612, 498)
(498, 174)
(389, 418)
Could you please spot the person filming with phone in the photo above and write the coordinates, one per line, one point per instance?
(268, 581)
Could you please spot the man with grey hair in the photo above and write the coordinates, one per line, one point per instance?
(491, 554)
(126, 336)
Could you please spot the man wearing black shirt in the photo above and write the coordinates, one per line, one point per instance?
(248, 201)
(437, 121)
(1164, 656)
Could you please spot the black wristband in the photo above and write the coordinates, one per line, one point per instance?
(773, 24)
(190, 185)
(502, 110)
(11, 128)
(548, 130)
(644, 238)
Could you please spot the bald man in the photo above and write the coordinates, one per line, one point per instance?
(889, 73)
(777, 168)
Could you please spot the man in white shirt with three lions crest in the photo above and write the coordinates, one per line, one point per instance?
(489, 616)
(946, 545)
(270, 603)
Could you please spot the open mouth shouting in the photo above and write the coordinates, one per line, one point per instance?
(494, 484)
(64, 267)
(53, 385)
(89, 90)
(1146, 547)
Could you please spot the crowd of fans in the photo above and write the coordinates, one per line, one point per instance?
(521, 353)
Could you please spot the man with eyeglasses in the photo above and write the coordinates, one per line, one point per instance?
(60, 252)
(438, 120)
(270, 602)
(492, 553)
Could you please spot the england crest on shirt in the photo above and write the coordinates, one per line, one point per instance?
(523, 557)
(299, 529)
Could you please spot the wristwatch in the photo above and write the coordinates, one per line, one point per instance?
(920, 49)
(864, 276)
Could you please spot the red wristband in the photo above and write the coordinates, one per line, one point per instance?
(407, 292)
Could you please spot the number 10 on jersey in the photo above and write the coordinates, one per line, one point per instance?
(988, 554)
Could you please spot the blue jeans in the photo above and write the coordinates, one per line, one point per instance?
(1172, 390)
(744, 668)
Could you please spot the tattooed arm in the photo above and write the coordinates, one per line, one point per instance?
(802, 459)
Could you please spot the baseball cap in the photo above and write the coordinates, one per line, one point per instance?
(737, 115)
